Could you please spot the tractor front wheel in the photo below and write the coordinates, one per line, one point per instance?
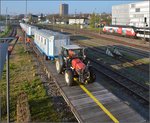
(59, 67)
(69, 77)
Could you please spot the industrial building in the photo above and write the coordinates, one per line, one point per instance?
(134, 14)
(63, 9)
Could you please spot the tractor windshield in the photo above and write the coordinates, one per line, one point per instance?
(78, 53)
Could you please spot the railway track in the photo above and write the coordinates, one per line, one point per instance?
(121, 59)
(96, 35)
(134, 51)
(82, 105)
(140, 53)
(135, 88)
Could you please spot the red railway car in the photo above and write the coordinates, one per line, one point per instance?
(128, 31)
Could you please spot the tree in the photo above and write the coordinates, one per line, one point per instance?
(2, 17)
(94, 20)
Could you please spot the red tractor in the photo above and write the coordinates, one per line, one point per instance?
(73, 63)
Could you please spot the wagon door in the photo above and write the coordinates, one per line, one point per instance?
(51, 46)
(46, 46)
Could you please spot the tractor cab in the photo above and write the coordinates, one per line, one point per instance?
(73, 51)
(71, 61)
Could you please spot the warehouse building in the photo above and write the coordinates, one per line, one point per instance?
(134, 14)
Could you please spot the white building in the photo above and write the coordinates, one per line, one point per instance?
(134, 14)
(79, 21)
(120, 14)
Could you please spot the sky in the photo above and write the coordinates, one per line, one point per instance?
(15, 7)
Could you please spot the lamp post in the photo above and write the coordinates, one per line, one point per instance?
(26, 27)
(75, 21)
(95, 18)
(145, 20)
(5, 54)
(0, 14)
(8, 87)
(6, 18)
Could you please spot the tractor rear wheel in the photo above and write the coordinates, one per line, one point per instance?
(59, 65)
(92, 75)
(45, 57)
(69, 77)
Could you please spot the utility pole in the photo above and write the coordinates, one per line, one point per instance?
(6, 18)
(144, 26)
(79, 19)
(8, 87)
(0, 15)
(75, 22)
(95, 17)
(0, 96)
(26, 26)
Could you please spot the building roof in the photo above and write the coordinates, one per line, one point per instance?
(72, 47)
(48, 33)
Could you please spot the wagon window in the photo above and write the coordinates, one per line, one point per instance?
(137, 10)
(45, 41)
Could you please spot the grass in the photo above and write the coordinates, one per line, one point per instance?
(6, 32)
(22, 79)
(97, 30)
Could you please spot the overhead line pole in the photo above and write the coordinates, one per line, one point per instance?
(26, 26)
(8, 87)
(0, 96)
(6, 18)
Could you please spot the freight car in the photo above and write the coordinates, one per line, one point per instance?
(49, 43)
(29, 29)
(128, 31)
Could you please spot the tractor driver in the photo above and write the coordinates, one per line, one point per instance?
(71, 55)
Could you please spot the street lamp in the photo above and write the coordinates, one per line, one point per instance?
(6, 18)
(75, 21)
(4, 54)
(26, 26)
(95, 17)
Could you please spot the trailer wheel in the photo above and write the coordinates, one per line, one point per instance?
(59, 65)
(69, 77)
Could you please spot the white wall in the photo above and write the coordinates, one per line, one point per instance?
(137, 18)
(120, 14)
(127, 15)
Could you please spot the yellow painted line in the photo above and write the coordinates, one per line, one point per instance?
(98, 103)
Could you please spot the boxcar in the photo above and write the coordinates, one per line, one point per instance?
(49, 43)
(29, 29)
